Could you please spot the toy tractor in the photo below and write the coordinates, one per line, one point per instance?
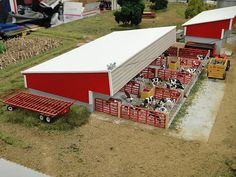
(217, 67)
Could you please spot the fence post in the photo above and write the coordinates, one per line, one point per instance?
(166, 121)
(119, 109)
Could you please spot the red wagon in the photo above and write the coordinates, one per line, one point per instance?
(47, 107)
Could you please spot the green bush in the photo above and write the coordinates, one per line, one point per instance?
(131, 12)
(159, 4)
(194, 8)
(2, 47)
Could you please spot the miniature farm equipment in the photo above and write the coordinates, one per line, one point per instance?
(149, 15)
(217, 67)
(11, 30)
(48, 108)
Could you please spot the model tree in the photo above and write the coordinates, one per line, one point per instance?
(159, 4)
(131, 12)
(194, 8)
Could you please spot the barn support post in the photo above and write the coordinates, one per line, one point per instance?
(25, 81)
(91, 101)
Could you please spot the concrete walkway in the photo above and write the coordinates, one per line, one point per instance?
(201, 115)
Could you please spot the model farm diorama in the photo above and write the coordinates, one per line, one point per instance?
(147, 82)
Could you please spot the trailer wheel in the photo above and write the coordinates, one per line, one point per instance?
(224, 76)
(41, 117)
(228, 66)
(48, 119)
(10, 108)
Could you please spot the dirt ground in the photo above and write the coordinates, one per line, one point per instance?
(104, 148)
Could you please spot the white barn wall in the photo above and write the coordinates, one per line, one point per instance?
(129, 69)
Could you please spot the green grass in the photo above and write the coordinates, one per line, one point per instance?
(234, 29)
(2, 48)
(15, 142)
(76, 117)
(188, 102)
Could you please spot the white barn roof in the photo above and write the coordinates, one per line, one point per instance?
(213, 15)
(94, 57)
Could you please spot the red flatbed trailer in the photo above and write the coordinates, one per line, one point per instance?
(47, 107)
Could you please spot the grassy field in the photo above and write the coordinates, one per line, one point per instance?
(97, 26)
(70, 35)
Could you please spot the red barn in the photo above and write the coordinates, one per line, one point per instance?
(100, 68)
(212, 26)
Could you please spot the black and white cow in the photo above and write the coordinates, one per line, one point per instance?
(139, 77)
(190, 70)
(174, 85)
(167, 102)
(200, 57)
(148, 101)
(129, 98)
(178, 86)
(156, 80)
(175, 81)
(160, 108)
(163, 67)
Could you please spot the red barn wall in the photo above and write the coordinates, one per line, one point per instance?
(208, 30)
(70, 85)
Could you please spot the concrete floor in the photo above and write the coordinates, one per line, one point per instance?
(201, 115)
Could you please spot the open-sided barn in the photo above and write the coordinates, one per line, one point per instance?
(101, 67)
(212, 26)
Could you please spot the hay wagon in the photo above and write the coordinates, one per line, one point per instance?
(47, 108)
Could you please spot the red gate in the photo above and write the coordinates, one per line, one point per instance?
(160, 61)
(191, 53)
(148, 73)
(188, 62)
(150, 117)
(166, 74)
(172, 51)
(167, 93)
(105, 106)
(132, 87)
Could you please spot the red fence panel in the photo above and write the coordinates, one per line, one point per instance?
(172, 51)
(107, 107)
(191, 53)
(160, 61)
(132, 87)
(188, 62)
(148, 73)
(161, 92)
(166, 74)
(150, 117)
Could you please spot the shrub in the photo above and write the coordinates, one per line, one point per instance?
(159, 4)
(194, 8)
(131, 12)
